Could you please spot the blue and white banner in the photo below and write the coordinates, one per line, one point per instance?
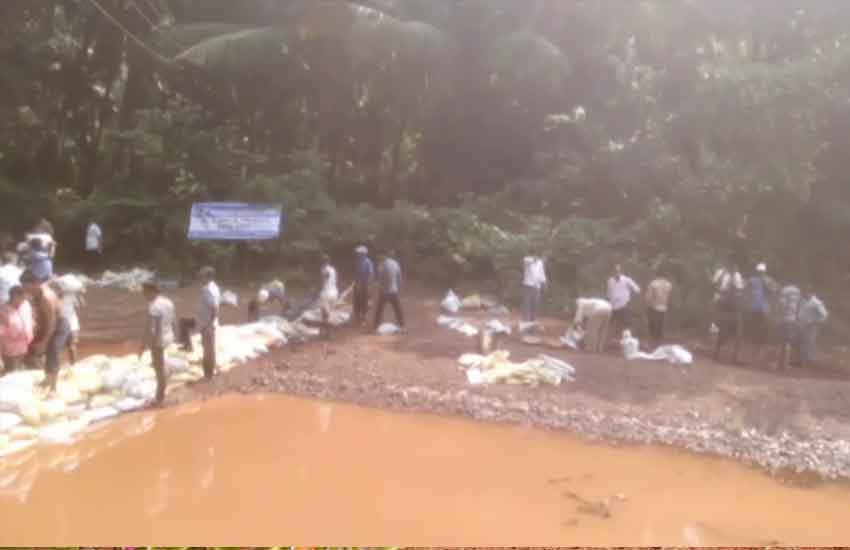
(229, 221)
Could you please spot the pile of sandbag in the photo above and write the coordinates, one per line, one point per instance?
(128, 280)
(497, 368)
(100, 387)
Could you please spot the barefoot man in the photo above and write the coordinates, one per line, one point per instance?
(52, 330)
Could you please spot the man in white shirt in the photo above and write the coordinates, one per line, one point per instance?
(208, 319)
(593, 316)
(159, 333)
(533, 283)
(94, 244)
(620, 290)
(329, 294)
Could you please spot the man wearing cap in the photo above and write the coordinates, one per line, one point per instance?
(364, 274)
(756, 321)
(159, 333)
(52, 329)
(208, 319)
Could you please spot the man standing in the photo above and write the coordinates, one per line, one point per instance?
(813, 315)
(620, 290)
(10, 276)
(657, 301)
(159, 333)
(789, 308)
(208, 319)
(329, 294)
(40, 262)
(94, 245)
(757, 319)
(364, 274)
(594, 316)
(52, 330)
(533, 282)
(390, 281)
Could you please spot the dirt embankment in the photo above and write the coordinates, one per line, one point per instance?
(785, 422)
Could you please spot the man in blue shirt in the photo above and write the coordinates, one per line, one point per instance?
(364, 274)
(756, 322)
(390, 281)
(40, 262)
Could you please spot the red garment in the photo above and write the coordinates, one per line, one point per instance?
(16, 329)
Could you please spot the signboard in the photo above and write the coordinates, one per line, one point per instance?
(230, 221)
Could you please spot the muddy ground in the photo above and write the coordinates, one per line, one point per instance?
(789, 422)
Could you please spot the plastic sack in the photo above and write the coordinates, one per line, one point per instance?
(388, 329)
(229, 298)
(573, 338)
(174, 365)
(129, 404)
(71, 284)
(451, 303)
(497, 327)
(525, 327)
(51, 409)
(8, 421)
(472, 302)
(13, 398)
(145, 389)
(22, 432)
(99, 414)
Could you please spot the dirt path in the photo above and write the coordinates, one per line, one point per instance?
(797, 421)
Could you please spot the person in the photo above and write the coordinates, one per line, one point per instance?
(390, 283)
(40, 262)
(364, 275)
(329, 294)
(16, 330)
(10, 276)
(94, 244)
(533, 283)
(274, 291)
(728, 314)
(52, 329)
(159, 333)
(620, 290)
(726, 279)
(789, 308)
(43, 232)
(757, 319)
(657, 302)
(70, 301)
(594, 317)
(812, 316)
(208, 319)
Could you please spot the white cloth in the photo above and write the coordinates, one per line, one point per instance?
(94, 237)
(534, 272)
(588, 307)
(330, 292)
(620, 291)
(69, 304)
(724, 278)
(10, 276)
(210, 304)
(163, 309)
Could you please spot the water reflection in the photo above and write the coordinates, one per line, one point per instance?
(311, 471)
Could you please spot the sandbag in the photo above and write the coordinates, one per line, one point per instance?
(51, 409)
(69, 394)
(86, 379)
(102, 400)
(99, 414)
(115, 378)
(229, 298)
(22, 432)
(129, 404)
(9, 421)
(472, 302)
(451, 303)
(174, 365)
(13, 398)
(31, 413)
(146, 389)
(388, 329)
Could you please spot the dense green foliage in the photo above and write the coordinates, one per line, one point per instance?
(463, 132)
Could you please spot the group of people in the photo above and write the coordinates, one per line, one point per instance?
(743, 310)
(747, 309)
(387, 278)
(38, 313)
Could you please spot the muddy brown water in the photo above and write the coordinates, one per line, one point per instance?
(258, 470)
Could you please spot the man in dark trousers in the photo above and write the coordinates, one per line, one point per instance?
(159, 333)
(208, 318)
(364, 275)
(389, 282)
